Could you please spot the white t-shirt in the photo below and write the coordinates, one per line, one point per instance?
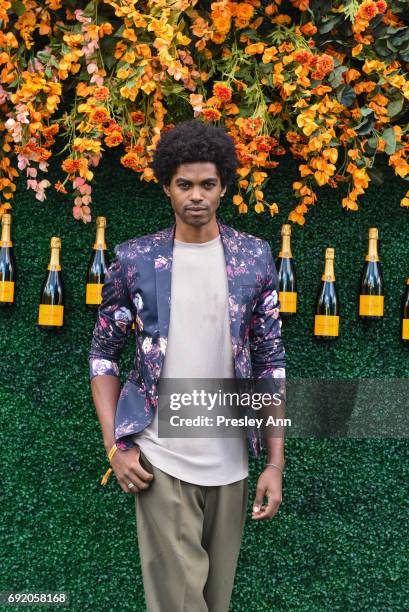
(198, 346)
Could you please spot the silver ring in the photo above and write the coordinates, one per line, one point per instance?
(130, 485)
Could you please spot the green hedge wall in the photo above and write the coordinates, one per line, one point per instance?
(338, 541)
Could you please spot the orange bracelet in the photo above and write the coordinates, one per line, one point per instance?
(108, 472)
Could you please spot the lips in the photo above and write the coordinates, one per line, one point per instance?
(196, 208)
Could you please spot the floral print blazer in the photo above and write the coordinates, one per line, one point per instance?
(138, 288)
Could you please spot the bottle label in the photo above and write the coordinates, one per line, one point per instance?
(326, 325)
(371, 305)
(405, 329)
(94, 293)
(288, 301)
(50, 314)
(6, 291)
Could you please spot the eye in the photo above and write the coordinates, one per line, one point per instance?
(209, 185)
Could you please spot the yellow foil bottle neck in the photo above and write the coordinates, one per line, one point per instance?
(100, 238)
(329, 274)
(6, 235)
(285, 246)
(54, 259)
(372, 254)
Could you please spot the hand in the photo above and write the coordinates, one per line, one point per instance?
(269, 484)
(127, 468)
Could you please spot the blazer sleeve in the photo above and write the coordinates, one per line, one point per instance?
(113, 322)
(266, 346)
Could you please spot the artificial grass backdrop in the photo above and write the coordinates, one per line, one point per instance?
(337, 542)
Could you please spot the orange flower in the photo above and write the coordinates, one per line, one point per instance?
(349, 204)
(221, 17)
(254, 48)
(308, 29)
(405, 200)
(249, 126)
(70, 165)
(275, 108)
(101, 93)
(99, 114)
(296, 217)
(302, 56)
(222, 91)
(138, 117)
(113, 139)
(60, 187)
(133, 161)
(325, 63)
(211, 114)
(368, 10)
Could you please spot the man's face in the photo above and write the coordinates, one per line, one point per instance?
(195, 191)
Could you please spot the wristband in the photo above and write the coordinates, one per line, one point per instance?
(275, 465)
(108, 472)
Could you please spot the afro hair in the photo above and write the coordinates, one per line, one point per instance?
(194, 141)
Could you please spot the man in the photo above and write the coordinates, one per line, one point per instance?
(204, 300)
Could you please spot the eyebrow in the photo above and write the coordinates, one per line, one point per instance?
(184, 180)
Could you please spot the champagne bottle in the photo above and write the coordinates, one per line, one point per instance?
(51, 307)
(371, 298)
(7, 263)
(97, 267)
(287, 281)
(326, 320)
(405, 314)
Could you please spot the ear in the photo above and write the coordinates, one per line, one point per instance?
(166, 190)
(223, 192)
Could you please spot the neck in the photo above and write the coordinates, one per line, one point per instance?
(189, 233)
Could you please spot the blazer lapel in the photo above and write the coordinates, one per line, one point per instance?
(231, 253)
(163, 278)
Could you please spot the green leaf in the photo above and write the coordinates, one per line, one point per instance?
(89, 10)
(365, 127)
(365, 111)
(18, 7)
(395, 107)
(329, 23)
(253, 34)
(346, 95)
(376, 176)
(389, 137)
(335, 77)
(351, 9)
(119, 32)
(371, 146)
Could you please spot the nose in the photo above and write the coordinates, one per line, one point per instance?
(196, 195)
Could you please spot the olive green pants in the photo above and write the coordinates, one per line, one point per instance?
(189, 540)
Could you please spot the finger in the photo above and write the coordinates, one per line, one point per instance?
(141, 473)
(269, 510)
(137, 482)
(258, 499)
